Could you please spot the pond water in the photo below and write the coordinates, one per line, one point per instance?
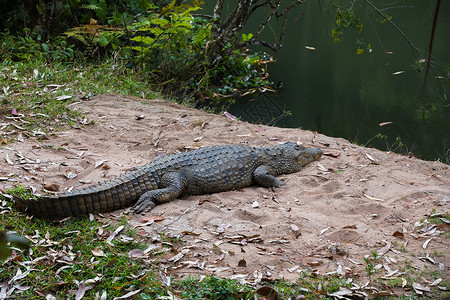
(330, 89)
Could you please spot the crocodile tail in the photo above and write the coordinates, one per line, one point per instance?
(106, 196)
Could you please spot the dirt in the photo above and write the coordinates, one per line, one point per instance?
(328, 217)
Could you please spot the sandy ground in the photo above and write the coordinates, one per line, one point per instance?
(335, 211)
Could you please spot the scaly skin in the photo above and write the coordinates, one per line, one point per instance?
(208, 170)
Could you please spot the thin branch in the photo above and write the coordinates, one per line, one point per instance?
(431, 42)
(395, 26)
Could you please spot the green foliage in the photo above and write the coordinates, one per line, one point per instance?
(22, 48)
(169, 44)
(345, 19)
(214, 288)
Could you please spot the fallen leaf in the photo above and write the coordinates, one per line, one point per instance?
(324, 230)
(267, 293)
(419, 287)
(53, 187)
(81, 290)
(371, 158)
(128, 295)
(63, 97)
(8, 160)
(322, 168)
(436, 282)
(113, 235)
(155, 218)
(98, 163)
(229, 116)
(404, 282)
(190, 233)
(98, 252)
(425, 245)
(314, 263)
(398, 234)
(372, 198)
(242, 263)
(350, 227)
(136, 253)
(385, 249)
(70, 175)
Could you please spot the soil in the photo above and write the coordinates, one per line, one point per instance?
(328, 217)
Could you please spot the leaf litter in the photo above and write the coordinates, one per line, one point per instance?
(333, 207)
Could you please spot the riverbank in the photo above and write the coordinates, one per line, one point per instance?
(354, 207)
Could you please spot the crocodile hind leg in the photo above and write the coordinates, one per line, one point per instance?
(172, 185)
(262, 177)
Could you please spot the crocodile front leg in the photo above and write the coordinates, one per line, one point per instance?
(263, 178)
(172, 185)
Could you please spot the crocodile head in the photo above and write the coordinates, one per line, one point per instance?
(307, 155)
(297, 156)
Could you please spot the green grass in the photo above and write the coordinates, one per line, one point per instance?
(32, 89)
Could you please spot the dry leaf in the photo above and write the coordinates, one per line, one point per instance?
(136, 253)
(314, 263)
(267, 293)
(113, 235)
(53, 187)
(436, 282)
(385, 249)
(404, 282)
(98, 163)
(98, 252)
(63, 97)
(398, 234)
(229, 116)
(371, 158)
(242, 263)
(155, 218)
(322, 168)
(324, 230)
(81, 290)
(350, 227)
(372, 198)
(425, 245)
(128, 295)
(419, 287)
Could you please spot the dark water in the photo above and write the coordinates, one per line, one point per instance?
(338, 93)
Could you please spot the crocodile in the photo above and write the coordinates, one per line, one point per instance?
(207, 170)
